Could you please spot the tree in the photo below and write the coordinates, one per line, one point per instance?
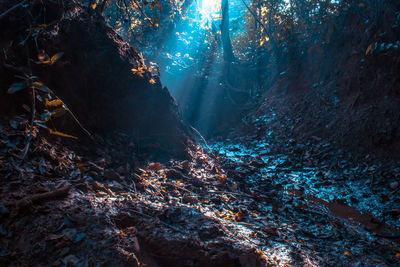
(229, 57)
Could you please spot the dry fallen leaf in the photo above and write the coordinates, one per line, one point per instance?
(122, 233)
(238, 216)
(61, 134)
(53, 103)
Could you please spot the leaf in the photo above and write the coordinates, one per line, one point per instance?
(139, 71)
(369, 49)
(40, 86)
(15, 87)
(40, 125)
(94, 6)
(155, 4)
(14, 124)
(38, 97)
(44, 57)
(152, 81)
(81, 167)
(238, 216)
(45, 116)
(53, 103)
(61, 134)
(58, 112)
(56, 57)
(79, 237)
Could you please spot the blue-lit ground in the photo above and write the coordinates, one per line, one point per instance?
(324, 210)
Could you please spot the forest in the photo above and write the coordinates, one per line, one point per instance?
(203, 133)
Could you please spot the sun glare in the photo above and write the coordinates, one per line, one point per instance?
(208, 8)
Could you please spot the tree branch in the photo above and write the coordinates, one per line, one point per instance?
(8, 11)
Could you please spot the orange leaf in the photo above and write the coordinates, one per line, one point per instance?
(58, 112)
(53, 103)
(61, 134)
(238, 216)
(43, 57)
(81, 167)
(369, 49)
(56, 57)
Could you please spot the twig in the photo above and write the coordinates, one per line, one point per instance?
(75, 118)
(204, 140)
(257, 19)
(186, 190)
(34, 199)
(80, 125)
(231, 193)
(141, 11)
(50, 195)
(33, 110)
(8, 11)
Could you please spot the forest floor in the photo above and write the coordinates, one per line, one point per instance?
(246, 201)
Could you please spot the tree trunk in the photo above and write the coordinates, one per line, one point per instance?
(229, 57)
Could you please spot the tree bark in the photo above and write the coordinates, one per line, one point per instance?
(229, 57)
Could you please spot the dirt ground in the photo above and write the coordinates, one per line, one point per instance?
(242, 202)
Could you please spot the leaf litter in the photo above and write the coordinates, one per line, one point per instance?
(252, 202)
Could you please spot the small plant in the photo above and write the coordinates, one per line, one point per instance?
(43, 99)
